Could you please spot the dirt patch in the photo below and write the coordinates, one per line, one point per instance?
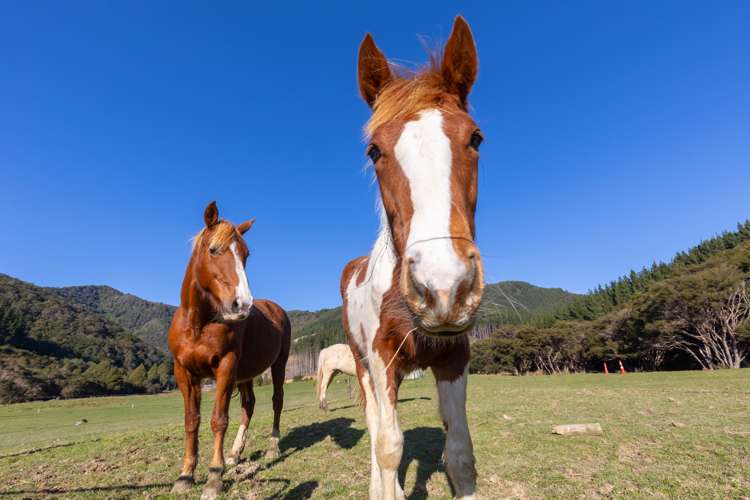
(98, 465)
(638, 452)
(503, 489)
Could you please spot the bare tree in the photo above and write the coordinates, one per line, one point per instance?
(709, 333)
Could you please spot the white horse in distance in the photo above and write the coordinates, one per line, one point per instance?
(334, 359)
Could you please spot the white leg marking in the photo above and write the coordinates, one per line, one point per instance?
(459, 451)
(237, 446)
(389, 444)
(372, 414)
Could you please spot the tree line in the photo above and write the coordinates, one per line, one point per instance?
(693, 312)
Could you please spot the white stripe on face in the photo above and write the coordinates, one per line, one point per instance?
(242, 292)
(424, 153)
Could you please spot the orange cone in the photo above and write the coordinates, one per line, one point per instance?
(622, 368)
(606, 370)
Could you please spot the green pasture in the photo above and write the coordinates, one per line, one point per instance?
(676, 435)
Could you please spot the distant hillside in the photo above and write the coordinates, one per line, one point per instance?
(605, 299)
(692, 312)
(52, 345)
(506, 302)
(511, 302)
(146, 320)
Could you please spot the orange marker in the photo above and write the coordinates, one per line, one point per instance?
(606, 370)
(622, 368)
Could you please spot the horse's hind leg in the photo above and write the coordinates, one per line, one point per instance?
(247, 398)
(324, 383)
(278, 371)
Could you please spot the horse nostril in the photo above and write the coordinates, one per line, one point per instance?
(235, 305)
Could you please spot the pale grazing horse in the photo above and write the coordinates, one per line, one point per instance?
(411, 302)
(333, 359)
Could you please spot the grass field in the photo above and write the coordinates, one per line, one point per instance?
(665, 434)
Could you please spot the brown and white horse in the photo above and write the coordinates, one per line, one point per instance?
(220, 332)
(410, 303)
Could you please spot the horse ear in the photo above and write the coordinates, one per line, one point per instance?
(372, 70)
(211, 214)
(460, 61)
(242, 228)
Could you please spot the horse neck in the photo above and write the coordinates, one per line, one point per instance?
(382, 269)
(193, 300)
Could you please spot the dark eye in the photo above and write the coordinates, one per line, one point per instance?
(213, 250)
(476, 140)
(374, 153)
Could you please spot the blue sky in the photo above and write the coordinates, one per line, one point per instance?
(616, 135)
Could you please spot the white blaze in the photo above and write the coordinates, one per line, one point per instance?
(242, 291)
(424, 153)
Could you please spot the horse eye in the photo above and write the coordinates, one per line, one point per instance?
(476, 140)
(213, 250)
(374, 153)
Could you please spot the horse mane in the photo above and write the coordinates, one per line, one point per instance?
(222, 234)
(409, 92)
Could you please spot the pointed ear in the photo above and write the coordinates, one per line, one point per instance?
(372, 69)
(460, 62)
(211, 214)
(242, 228)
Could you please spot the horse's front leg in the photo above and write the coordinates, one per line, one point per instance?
(190, 387)
(389, 442)
(373, 416)
(459, 451)
(225, 376)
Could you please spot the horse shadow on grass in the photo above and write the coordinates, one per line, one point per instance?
(424, 445)
(339, 429)
(404, 400)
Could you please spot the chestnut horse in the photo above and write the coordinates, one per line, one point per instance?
(219, 332)
(411, 302)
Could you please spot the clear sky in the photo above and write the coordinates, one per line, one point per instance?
(617, 133)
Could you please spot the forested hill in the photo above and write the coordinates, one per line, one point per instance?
(146, 320)
(693, 312)
(506, 302)
(54, 345)
(604, 299)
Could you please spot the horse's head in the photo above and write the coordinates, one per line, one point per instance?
(425, 150)
(218, 266)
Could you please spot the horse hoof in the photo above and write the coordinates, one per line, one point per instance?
(210, 491)
(232, 460)
(273, 454)
(182, 485)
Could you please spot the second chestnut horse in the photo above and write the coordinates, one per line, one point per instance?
(219, 332)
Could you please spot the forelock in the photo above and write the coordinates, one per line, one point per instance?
(410, 92)
(220, 236)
